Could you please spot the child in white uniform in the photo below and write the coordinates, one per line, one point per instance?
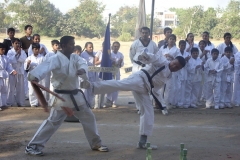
(181, 78)
(227, 78)
(5, 69)
(213, 68)
(89, 56)
(195, 70)
(227, 43)
(16, 57)
(236, 87)
(117, 61)
(30, 63)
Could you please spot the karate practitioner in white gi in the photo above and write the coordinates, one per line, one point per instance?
(5, 70)
(180, 82)
(66, 68)
(194, 82)
(236, 87)
(30, 63)
(140, 82)
(16, 57)
(227, 43)
(227, 78)
(213, 68)
(138, 46)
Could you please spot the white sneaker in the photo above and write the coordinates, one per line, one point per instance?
(33, 152)
(193, 106)
(101, 149)
(237, 105)
(114, 106)
(216, 107)
(144, 146)
(228, 105)
(164, 112)
(221, 106)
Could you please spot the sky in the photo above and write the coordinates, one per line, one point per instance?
(112, 6)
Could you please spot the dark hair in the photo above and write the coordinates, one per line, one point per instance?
(181, 42)
(173, 36)
(194, 49)
(116, 42)
(2, 45)
(35, 35)
(228, 34)
(15, 39)
(214, 50)
(36, 45)
(181, 60)
(10, 30)
(87, 43)
(26, 27)
(166, 29)
(202, 41)
(77, 48)
(188, 36)
(207, 33)
(54, 42)
(228, 49)
(65, 40)
(145, 28)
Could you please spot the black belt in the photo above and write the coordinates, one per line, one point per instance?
(71, 93)
(152, 86)
(139, 63)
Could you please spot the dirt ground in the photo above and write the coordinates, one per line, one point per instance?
(207, 134)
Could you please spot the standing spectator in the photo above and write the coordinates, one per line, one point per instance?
(16, 57)
(8, 41)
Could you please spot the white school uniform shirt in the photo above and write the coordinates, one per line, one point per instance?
(117, 57)
(35, 60)
(173, 51)
(90, 61)
(30, 52)
(17, 62)
(221, 47)
(194, 75)
(137, 48)
(99, 55)
(63, 77)
(213, 64)
(187, 45)
(228, 70)
(5, 67)
(182, 73)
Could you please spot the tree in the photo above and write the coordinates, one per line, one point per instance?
(41, 14)
(124, 21)
(86, 19)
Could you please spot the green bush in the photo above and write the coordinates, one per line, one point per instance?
(125, 37)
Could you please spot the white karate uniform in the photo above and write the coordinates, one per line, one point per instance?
(187, 46)
(64, 78)
(213, 82)
(30, 51)
(116, 57)
(5, 70)
(180, 84)
(139, 83)
(16, 82)
(221, 47)
(194, 81)
(92, 76)
(34, 62)
(169, 93)
(136, 49)
(204, 88)
(226, 82)
(236, 86)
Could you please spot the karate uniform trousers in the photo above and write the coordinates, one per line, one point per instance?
(3, 92)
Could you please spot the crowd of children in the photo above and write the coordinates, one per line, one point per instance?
(210, 77)
(19, 56)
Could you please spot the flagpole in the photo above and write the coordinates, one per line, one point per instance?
(152, 17)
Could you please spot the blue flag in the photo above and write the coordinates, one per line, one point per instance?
(106, 61)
